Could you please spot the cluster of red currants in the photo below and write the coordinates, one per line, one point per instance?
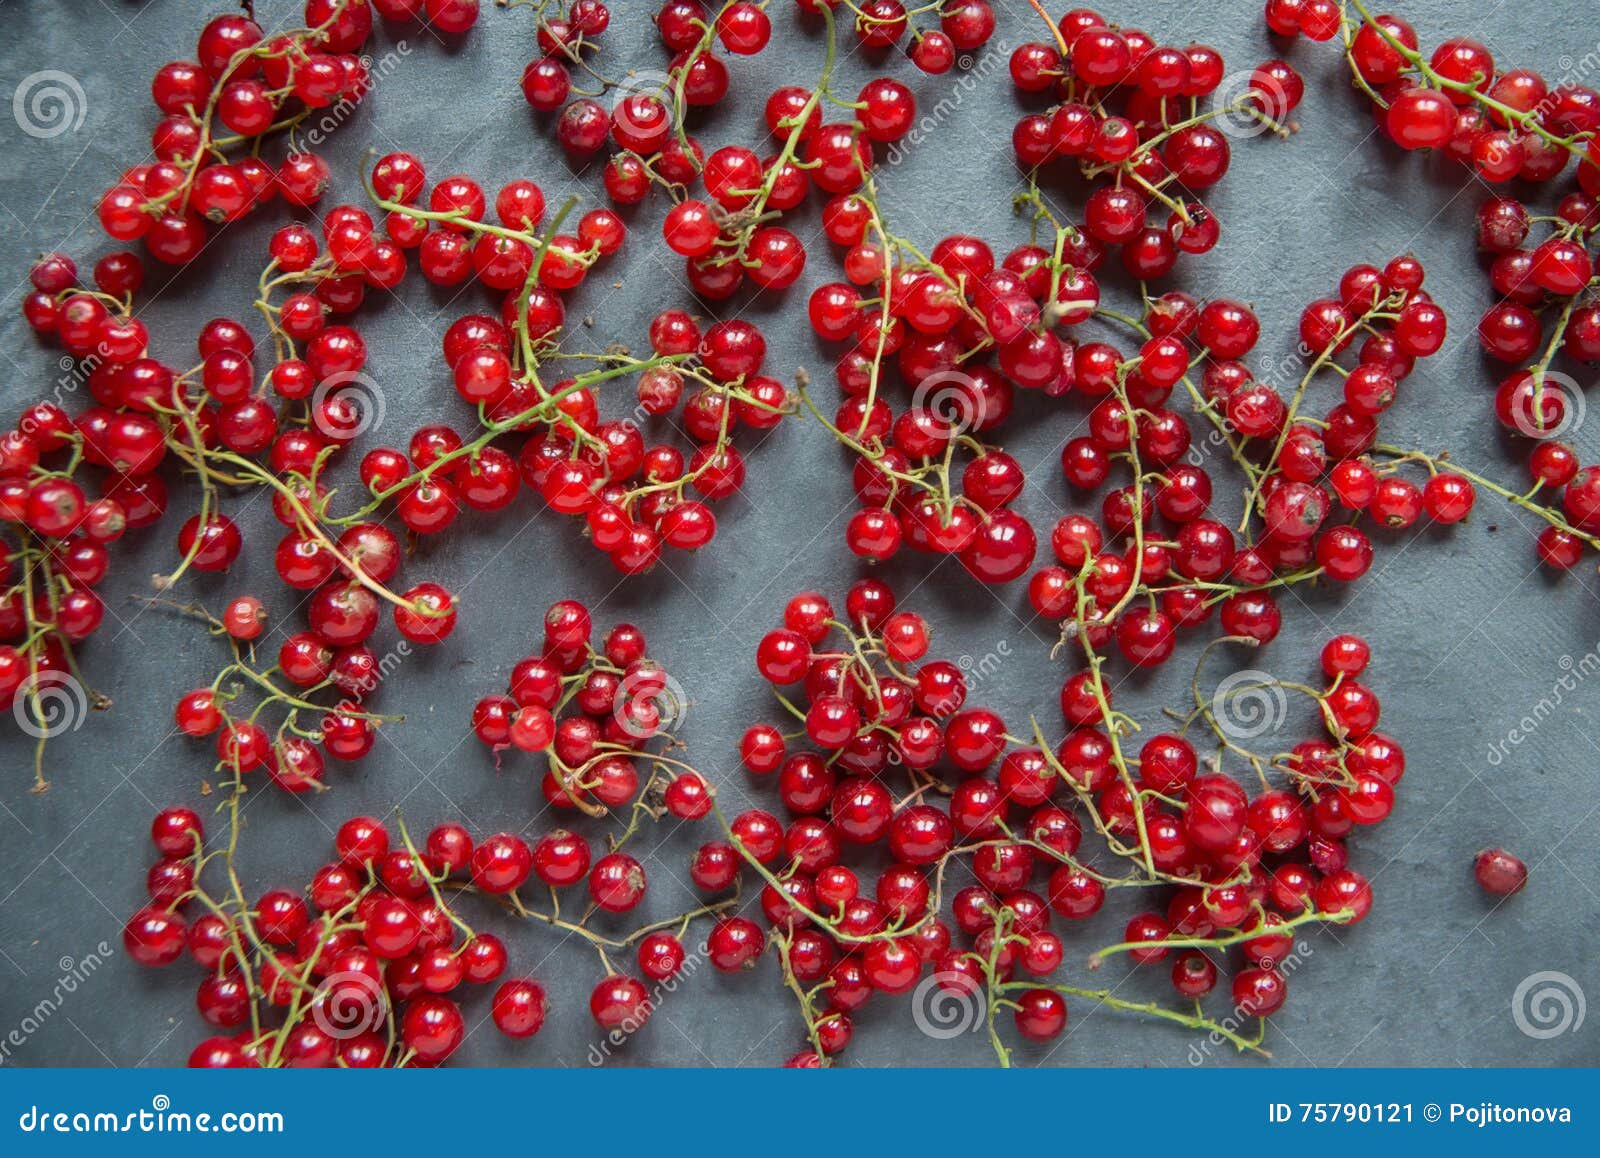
(455, 243)
(735, 238)
(1509, 124)
(873, 702)
(216, 420)
(124, 436)
(64, 533)
(222, 424)
(1503, 124)
(730, 234)
(864, 708)
(1398, 323)
(241, 87)
(646, 121)
(1300, 471)
(362, 976)
(1245, 870)
(332, 655)
(964, 26)
(1126, 114)
(696, 77)
(636, 500)
(723, 242)
(589, 712)
(929, 314)
(1267, 860)
(369, 973)
(1550, 279)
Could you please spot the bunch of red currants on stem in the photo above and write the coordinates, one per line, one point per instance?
(1539, 402)
(360, 977)
(732, 234)
(1301, 472)
(1127, 115)
(1245, 870)
(243, 88)
(368, 973)
(1503, 123)
(329, 657)
(588, 712)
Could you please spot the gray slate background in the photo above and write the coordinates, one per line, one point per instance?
(1468, 637)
